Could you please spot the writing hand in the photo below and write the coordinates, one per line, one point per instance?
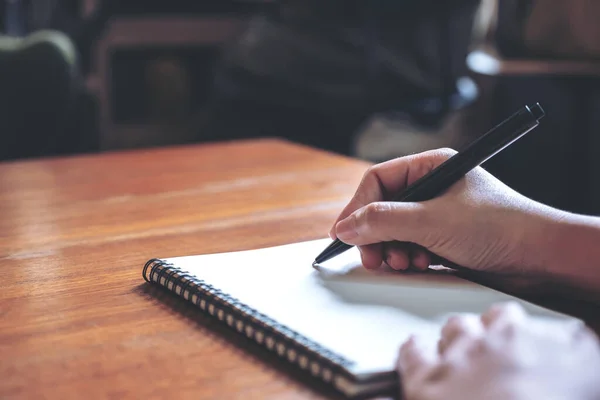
(479, 223)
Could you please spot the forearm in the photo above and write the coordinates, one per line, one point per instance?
(569, 247)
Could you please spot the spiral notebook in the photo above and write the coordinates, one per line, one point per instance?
(340, 322)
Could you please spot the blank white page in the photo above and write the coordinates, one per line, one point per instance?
(362, 315)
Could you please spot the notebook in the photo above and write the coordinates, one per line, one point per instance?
(340, 322)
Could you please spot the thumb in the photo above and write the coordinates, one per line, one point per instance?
(385, 222)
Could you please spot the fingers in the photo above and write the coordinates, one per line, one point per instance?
(506, 317)
(459, 335)
(402, 256)
(376, 182)
(511, 330)
(415, 363)
(372, 255)
(398, 260)
(415, 358)
(420, 259)
(503, 316)
(385, 222)
(397, 255)
(462, 337)
(389, 178)
(463, 333)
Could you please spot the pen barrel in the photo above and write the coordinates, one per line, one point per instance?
(482, 149)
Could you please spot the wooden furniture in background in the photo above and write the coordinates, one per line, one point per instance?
(77, 318)
(142, 32)
(147, 32)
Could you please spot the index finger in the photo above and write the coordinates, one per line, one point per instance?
(383, 180)
(377, 182)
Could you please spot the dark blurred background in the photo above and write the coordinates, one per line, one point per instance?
(370, 79)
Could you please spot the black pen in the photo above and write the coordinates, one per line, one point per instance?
(456, 167)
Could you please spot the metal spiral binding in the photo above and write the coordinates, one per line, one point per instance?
(286, 343)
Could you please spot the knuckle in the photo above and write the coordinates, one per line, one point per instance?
(375, 212)
(442, 154)
(493, 313)
(426, 161)
(504, 313)
(481, 346)
(508, 307)
(455, 323)
(446, 152)
(440, 371)
(460, 325)
(366, 186)
(371, 171)
(497, 309)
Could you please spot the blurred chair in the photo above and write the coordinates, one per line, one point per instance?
(558, 162)
(37, 81)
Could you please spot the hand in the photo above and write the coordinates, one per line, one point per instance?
(502, 355)
(479, 223)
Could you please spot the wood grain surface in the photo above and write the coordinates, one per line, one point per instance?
(76, 318)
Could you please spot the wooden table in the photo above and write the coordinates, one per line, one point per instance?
(77, 321)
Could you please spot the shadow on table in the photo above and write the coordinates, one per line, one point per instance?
(357, 285)
(221, 332)
(550, 293)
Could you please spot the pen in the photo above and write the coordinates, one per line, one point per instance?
(456, 167)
